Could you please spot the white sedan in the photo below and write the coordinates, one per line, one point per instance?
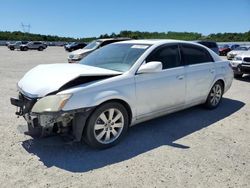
(118, 86)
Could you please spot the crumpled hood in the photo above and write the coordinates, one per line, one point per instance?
(44, 79)
(80, 51)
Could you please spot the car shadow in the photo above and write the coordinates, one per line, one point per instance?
(245, 78)
(164, 131)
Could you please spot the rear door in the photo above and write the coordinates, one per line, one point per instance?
(200, 72)
(36, 45)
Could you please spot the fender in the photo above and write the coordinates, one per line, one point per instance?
(218, 77)
(80, 119)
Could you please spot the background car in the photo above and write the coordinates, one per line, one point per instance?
(236, 51)
(234, 46)
(120, 85)
(77, 55)
(40, 46)
(241, 64)
(224, 49)
(16, 45)
(211, 45)
(74, 46)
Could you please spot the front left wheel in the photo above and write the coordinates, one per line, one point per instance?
(106, 126)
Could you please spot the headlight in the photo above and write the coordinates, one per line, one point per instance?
(53, 103)
(76, 56)
(238, 58)
(71, 56)
(79, 56)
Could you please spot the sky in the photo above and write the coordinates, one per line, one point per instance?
(87, 18)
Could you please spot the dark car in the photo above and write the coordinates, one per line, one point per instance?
(234, 46)
(74, 46)
(210, 44)
(224, 49)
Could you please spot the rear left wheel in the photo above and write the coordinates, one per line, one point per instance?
(107, 125)
(214, 96)
(40, 48)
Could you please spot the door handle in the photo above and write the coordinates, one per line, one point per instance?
(180, 77)
(212, 70)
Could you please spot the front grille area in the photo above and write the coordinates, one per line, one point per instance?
(245, 68)
(247, 59)
(27, 103)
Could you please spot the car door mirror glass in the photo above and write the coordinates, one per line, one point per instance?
(150, 67)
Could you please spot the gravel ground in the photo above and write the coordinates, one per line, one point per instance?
(191, 148)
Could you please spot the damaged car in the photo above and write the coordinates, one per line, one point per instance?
(120, 85)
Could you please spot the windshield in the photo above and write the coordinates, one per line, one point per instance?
(118, 57)
(94, 44)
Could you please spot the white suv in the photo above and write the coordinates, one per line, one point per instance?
(241, 64)
(120, 85)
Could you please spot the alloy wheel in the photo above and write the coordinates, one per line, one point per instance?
(108, 126)
(215, 95)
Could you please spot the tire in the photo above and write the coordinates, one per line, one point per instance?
(215, 95)
(40, 48)
(12, 48)
(103, 131)
(24, 49)
(238, 75)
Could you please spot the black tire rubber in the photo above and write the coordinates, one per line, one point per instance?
(208, 103)
(238, 75)
(12, 48)
(25, 49)
(88, 134)
(40, 48)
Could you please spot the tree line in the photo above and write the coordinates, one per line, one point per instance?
(219, 37)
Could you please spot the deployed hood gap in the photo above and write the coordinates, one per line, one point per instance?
(81, 80)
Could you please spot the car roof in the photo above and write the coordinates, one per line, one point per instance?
(108, 39)
(206, 41)
(158, 41)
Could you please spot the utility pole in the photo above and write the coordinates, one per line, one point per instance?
(25, 28)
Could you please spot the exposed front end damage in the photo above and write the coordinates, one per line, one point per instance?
(41, 99)
(45, 123)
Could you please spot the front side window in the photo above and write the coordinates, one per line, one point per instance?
(118, 57)
(168, 55)
(195, 54)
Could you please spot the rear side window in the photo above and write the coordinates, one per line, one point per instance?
(195, 54)
(168, 55)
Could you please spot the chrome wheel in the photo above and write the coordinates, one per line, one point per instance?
(108, 126)
(215, 95)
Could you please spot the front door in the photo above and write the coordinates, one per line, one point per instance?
(161, 90)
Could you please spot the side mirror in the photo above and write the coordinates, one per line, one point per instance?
(150, 67)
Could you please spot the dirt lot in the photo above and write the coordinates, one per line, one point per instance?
(191, 148)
